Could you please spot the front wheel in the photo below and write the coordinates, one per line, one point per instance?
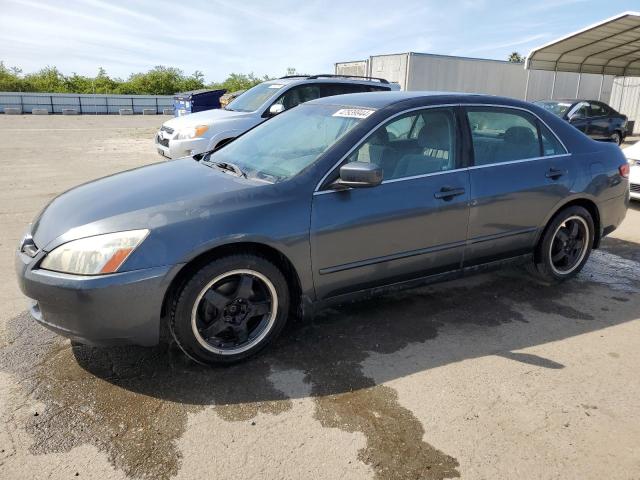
(230, 309)
(565, 245)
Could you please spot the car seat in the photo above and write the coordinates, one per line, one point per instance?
(435, 144)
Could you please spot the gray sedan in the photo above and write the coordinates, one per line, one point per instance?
(336, 199)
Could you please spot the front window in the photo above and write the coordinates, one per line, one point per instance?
(558, 108)
(285, 145)
(255, 97)
(418, 143)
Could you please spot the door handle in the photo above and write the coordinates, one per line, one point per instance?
(555, 173)
(447, 193)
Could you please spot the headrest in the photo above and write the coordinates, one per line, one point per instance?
(435, 133)
(380, 137)
(519, 135)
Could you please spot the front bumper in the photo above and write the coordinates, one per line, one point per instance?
(115, 309)
(171, 148)
(634, 181)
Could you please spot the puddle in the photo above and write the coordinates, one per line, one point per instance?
(133, 403)
(618, 273)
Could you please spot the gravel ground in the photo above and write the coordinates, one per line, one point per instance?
(491, 377)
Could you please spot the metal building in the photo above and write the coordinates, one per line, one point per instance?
(610, 47)
(424, 71)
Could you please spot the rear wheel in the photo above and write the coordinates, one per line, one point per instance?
(565, 245)
(230, 309)
(616, 138)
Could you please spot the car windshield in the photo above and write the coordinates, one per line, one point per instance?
(253, 98)
(285, 145)
(559, 108)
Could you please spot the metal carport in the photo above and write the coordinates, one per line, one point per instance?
(611, 47)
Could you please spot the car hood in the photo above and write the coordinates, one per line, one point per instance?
(147, 197)
(632, 152)
(206, 117)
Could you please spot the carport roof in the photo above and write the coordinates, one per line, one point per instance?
(611, 47)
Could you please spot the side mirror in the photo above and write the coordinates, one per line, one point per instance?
(275, 109)
(358, 174)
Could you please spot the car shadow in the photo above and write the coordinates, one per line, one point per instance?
(331, 348)
(136, 403)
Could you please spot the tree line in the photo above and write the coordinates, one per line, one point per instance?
(160, 80)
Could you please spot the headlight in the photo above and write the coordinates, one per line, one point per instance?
(192, 132)
(94, 255)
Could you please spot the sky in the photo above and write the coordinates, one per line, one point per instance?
(218, 37)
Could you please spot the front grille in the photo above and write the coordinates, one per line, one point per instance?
(162, 141)
(169, 130)
(635, 187)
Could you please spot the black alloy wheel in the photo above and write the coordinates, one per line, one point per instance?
(230, 309)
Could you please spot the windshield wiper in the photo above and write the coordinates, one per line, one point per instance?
(228, 167)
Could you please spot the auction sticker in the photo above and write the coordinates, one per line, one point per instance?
(353, 113)
(276, 85)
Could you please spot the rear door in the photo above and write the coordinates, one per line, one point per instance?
(520, 172)
(413, 224)
(579, 117)
(602, 121)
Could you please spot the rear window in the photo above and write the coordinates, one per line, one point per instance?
(502, 135)
(557, 108)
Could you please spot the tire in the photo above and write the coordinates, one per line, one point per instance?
(559, 256)
(616, 138)
(230, 309)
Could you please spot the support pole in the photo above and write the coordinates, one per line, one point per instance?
(553, 85)
(601, 83)
(578, 87)
(526, 87)
(621, 94)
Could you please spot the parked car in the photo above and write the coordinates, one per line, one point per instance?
(337, 199)
(633, 156)
(202, 132)
(593, 118)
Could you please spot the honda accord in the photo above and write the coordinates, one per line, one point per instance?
(336, 199)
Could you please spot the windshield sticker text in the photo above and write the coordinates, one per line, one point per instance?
(353, 113)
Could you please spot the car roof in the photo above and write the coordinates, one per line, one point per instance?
(327, 79)
(377, 100)
(572, 100)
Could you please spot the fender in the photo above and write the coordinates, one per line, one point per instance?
(295, 258)
(224, 135)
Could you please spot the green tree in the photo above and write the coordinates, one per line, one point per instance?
(47, 79)
(239, 81)
(160, 80)
(515, 57)
(10, 79)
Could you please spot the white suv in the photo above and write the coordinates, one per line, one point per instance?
(633, 156)
(204, 131)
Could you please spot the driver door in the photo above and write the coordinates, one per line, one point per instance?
(411, 225)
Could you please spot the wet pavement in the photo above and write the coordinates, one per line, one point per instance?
(493, 376)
